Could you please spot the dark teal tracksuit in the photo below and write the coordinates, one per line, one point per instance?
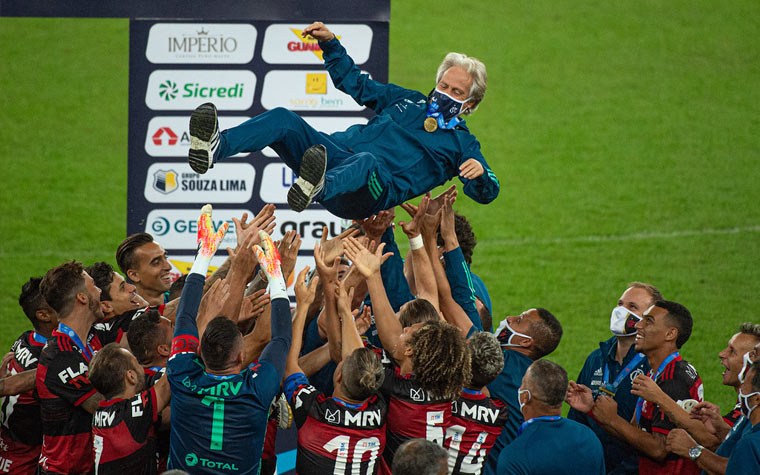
(374, 166)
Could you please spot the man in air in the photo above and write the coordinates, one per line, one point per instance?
(413, 144)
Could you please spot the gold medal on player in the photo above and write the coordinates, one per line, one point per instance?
(431, 125)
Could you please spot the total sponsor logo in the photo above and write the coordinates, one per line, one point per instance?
(187, 89)
(206, 43)
(170, 136)
(192, 460)
(178, 228)
(328, 125)
(177, 183)
(304, 90)
(285, 44)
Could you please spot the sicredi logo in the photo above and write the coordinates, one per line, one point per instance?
(170, 136)
(284, 44)
(178, 228)
(178, 183)
(187, 89)
(291, 89)
(207, 43)
(328, 125)
(308, 224)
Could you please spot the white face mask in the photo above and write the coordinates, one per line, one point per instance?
(744, 403)
(745, 367)
(505, 333)
(519, 393)
(623, 321)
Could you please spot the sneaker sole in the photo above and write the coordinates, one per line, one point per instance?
(203, 124)
(313, 167)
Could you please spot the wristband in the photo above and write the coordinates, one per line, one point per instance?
(415, 242)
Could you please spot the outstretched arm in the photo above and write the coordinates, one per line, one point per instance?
(349, 334)
(304, 297)
(480, 182)
(348, 77)
(328, 273)
(388, 327)
(424, 279)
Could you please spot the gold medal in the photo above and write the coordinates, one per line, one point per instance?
(431, 125)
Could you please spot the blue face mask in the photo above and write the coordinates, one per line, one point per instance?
(444, 109)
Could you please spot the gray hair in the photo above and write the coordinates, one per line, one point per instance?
(549, 382)
(487, 359)
(474, 67)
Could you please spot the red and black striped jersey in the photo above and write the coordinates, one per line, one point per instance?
(334, 436)
(62, 387)
(476, 422)
(681, 382)
(412, 412)
(124, 435)
(734, 415)
(113, 329)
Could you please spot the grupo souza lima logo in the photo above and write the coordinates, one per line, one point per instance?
(178, 183)
(178, 228)
(170, 136)
(295, 90)
(283, 44)
(327, 125)
(186, 89)
(207, 43)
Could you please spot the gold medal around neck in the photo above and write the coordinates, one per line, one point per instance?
(431, 125)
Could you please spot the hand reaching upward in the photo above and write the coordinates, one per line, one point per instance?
(208, 240)
(366, 262)
(269, 257)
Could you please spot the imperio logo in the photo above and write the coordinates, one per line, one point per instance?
(201, 43)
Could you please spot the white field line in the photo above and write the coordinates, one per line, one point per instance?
(621, 237)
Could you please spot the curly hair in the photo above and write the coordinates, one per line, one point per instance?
(363, 374)
(486, 356)
(440, 359)
(465, 236)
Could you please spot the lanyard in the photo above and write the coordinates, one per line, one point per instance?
(473, 392)
(348, 404)
(623, 373)
(156, 369)
(666, 362)
(531, 421)
(85, 349)
(39, 338)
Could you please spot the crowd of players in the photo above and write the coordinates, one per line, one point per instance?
(387, 363)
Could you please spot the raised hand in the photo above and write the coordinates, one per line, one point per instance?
(212, 303)
(414, 227)
(344, 300)
(448, 224)
(253, 305)
(364, 320)
(288, 248)
(269, 257)
(263, 221)
(437, 202)
(208, 240)
(375, 225)
(710, 416)
(318, 31)
(305, 293)
(332, 248)
(366, 262)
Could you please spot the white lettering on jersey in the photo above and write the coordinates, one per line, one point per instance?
(69, 373)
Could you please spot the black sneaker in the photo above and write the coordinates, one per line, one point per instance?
(204, 137)
(311, 178)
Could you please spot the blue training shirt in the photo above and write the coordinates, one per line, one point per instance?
(505, 387)
(745, 459)
(555, 446)
(417, 160)
(218, 422)
(617, 453)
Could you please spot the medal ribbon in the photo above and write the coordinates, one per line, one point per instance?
(640, 402)
(86, 350)
(612, 389)
(432, 111)
(39, 338)
(531, 421)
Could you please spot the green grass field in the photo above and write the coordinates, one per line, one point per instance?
(625, 136)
